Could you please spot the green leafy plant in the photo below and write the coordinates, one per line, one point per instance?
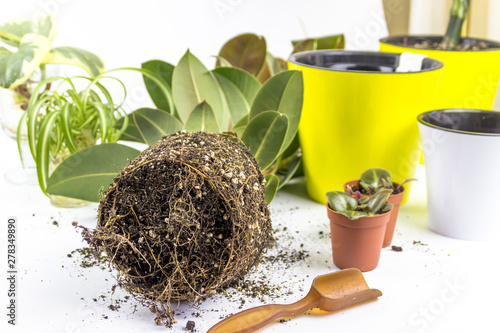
(374, 180)
(357, 207)
(65, 120)
(458, 13)
(29, 47)
(227, 99)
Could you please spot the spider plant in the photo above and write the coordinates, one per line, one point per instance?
(65, 120)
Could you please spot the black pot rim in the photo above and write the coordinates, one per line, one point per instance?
(294, 59)
(457, 111)
(394, 40)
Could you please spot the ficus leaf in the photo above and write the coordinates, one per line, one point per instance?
(84, 173)
(164, 71)
(264, 135)
(149, 125)
(192, 83)
(272, 185)
(246, 51)
(202, 118)
(340, 201)
(284, 93)
(239, 89)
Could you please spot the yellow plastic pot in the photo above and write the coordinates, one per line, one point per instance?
(358, 114)
(469, 78)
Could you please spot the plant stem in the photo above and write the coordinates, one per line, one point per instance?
(458, 13)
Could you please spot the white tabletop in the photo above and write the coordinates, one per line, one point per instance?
(436, 284)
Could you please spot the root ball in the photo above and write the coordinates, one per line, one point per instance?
(185, 218)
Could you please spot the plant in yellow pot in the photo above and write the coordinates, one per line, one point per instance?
(471, 73)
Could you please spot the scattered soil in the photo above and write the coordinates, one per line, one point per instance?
(397, 248)
(185, 219)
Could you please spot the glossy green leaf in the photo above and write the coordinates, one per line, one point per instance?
(373, 179)
(66, 55)
(289, 170)
(270, 68)
(202, 118)
(12, 32)
(192, 83)
(246, 51)
(284, 93)
(264, 135)
(272, 185)
(17, 67)
(353, 214)
(340, 201)
(84, 173)
(239, 89)
(149, 125)
(164, 70)
(377, 201)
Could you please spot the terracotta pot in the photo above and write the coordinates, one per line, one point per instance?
(357, 243)
(394, 199)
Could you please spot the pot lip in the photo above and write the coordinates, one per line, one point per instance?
(373, 221)
(420, 119)
(392, 40)
(294, 60)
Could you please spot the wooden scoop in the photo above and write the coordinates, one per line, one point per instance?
(328, 292)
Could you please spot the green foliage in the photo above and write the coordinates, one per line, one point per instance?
(321, 43)
(226, 99)
(90, 168)
(65, 120)
(33, 44)
(357, 207)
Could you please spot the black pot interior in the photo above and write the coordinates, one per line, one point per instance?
(409, 41)
(471, 121)
(356, 61)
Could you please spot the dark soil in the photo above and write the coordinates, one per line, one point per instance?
(183, 220)
(465, 46)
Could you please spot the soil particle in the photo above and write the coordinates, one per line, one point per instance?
(397, 248)
(190, 325)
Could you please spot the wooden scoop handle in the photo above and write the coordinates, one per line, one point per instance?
(252, 319)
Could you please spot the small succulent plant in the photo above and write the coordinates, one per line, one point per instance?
(355, 207)
(374, 180)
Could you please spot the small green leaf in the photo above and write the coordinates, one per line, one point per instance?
(377, 201)
(264, 135)
(149, 125)
(272, 185)
(374, 179)
(246, 51)
(84, 173)
(164, 71)
(66, 55)
(340, 201)
(42, 156)
(354, 215)
(221, 62)
(202, 118)
(284, 93)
